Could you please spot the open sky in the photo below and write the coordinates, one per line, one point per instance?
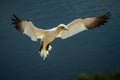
(96, 50)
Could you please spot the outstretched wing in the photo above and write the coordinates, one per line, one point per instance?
(27, 27)
(79, 25)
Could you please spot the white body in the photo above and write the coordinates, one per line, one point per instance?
(63, 31)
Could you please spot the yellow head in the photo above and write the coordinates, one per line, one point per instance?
(62, 27)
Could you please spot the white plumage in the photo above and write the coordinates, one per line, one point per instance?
(63, 31)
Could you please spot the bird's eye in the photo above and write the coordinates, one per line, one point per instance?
(62, 27)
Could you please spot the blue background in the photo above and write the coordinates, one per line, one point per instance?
(96, 50)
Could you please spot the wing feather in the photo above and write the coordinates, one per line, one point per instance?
(27, 27)
(80, 25)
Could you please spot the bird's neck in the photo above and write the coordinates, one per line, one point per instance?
(58, 30)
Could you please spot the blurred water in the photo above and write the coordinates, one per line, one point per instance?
(88, 52)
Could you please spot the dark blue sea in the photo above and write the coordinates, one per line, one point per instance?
(92, 51)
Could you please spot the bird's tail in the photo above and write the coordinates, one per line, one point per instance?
(45, 52)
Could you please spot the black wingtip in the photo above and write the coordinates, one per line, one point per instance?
(16, 17)
(108, 14)
(12, 19)
(15, 20)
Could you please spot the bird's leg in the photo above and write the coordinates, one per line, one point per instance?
(43, 49)
(47, 48)
(41, 46)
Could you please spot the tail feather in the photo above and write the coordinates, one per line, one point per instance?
(50, 47)
(44, 52)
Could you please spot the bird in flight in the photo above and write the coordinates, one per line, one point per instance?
(62, 31)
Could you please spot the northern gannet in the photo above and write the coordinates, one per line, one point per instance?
(63, 31)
